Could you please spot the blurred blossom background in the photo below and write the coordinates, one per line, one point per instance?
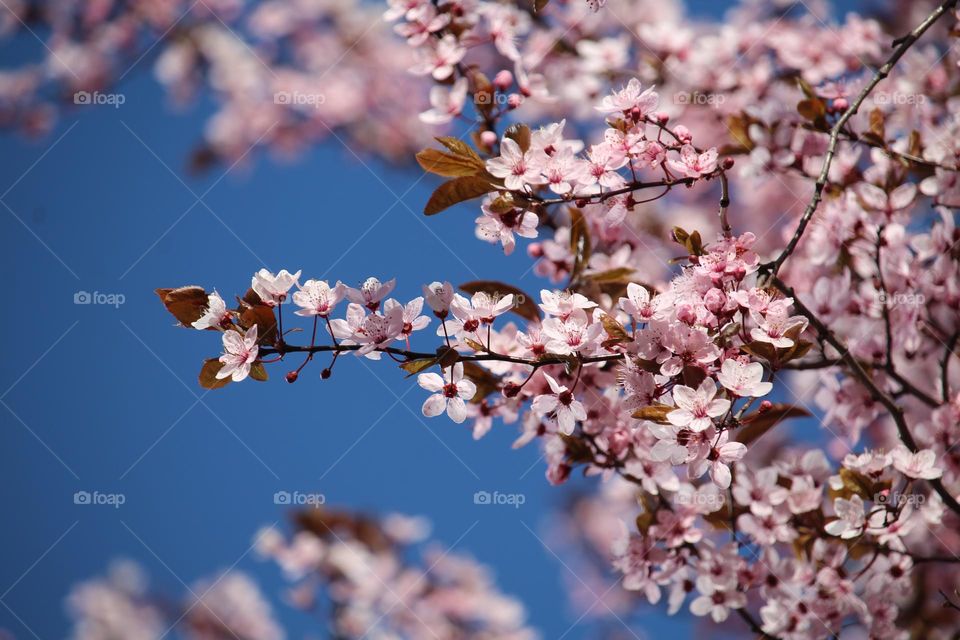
(99, 390)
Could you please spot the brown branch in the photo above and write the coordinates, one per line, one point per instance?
(902, 45)
(861, 374)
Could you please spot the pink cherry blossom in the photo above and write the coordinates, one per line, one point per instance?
(694, 165)
(515, 166)
(697, 407)
(448, 396)
(743, 379)
(238, 354)
(562, 403)
(271, 288)
(317, 298)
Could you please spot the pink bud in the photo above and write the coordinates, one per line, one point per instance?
(662, 117)
(841, 104)
(503, 80)
(511, 389)
(489, 138)
(292, 377)
(714, 300)
(514, 100)
(728, 163)
(686, 314)
(765, 406)
(683, 133)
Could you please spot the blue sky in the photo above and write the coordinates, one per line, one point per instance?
(103, 398)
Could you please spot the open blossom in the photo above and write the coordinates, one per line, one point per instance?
(371, 292)
(920, 465)
(317, 298)
(638, 303)
(480, 309)
(273, 289)
(446, 104)
(721, 454)
(562, 403)
(410, 312)
(564, 303)
(238, 354)
(440, 60)
(775, 325)
(378, 331)
(850, 518)
(743, 379)
(501, 227)
(631, 98)
(516, 167)
(697, 407)
(693, 165)
(715, 602)
(563, 170)
(448, 396)
(572, 334)
(214, 315)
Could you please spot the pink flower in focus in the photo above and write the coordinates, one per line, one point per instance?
(317, 298)
(697, 407)
(561, 402)
(273, 289)
(238, 354)
(448, 396)
(743, 379)
(693, 165)
(514, 166)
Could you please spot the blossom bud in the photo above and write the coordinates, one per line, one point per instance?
(489, 138)
(511, 390)
(514, 100)
(841, 104)
(662, 117)
(683, 134)
(503, 80)
(727, 163)
(326, 373)
(686, 314)
(765, 406)
(714, 300)
(292, 376)
(535, 250)
(439, 296)
(582, 202)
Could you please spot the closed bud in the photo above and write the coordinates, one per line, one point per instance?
(765, 406)
(489, 138)
(511, 390)
(292, 377)
(326, 373)
(503, 80)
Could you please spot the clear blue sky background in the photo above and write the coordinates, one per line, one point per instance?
(103, 398)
